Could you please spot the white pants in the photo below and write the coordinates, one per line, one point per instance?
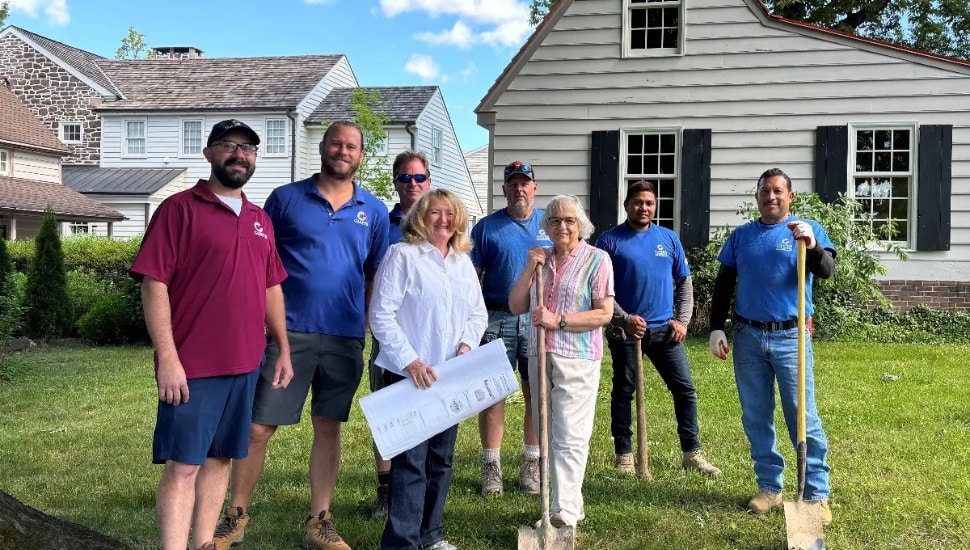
(573, 384)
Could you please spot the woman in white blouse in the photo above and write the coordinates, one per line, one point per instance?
(427, 307)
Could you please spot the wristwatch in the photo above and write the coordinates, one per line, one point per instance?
(562, 322)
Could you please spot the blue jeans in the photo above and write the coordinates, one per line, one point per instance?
(420, 479)
(514, 332)
(760, 358)
(670, 360)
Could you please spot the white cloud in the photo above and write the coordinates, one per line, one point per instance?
(497, 23)
(470, 70)
(55, 10)
(423, 66)
(460, 35)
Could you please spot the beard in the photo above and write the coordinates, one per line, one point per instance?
(330, 169)
(233, 180)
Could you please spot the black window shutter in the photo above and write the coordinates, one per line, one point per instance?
(831, 158)
(604, 180)
(933, 194)
(695, 188)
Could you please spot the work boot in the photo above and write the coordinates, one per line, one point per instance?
(441, 545)
(825, 512)
(231, 527)
(380, 509)
(491, 478)
(624, 464)
(763, 502)
(695, 460)
(321, 535)
(529, 475)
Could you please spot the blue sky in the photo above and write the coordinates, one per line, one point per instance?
(460, 45)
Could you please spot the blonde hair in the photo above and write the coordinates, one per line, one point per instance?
(414, 230)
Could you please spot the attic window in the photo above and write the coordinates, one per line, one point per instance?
(71, 132)
(653, 27)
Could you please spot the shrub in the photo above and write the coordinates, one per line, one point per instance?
(85, 288)
(9, 306)
(117, 318)
(108, 258)
(47, 308)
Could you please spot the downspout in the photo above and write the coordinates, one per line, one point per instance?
(291, 114)
(410, 128)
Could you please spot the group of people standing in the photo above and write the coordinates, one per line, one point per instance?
(251, 310)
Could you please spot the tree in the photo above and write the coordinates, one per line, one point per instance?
(373, 173)
(48, 309)
(133, 46)
(938, 26)
(4, 12)
(9, 310)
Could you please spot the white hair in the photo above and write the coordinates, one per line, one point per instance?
(557, 203)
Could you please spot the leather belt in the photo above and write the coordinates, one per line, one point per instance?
(769, 325)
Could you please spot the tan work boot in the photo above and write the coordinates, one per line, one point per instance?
(825, 512)
(763, 502)
(529, 476)
(491, 478)
(695, 461)
(321, 534)
(624, 464)
(231, 527)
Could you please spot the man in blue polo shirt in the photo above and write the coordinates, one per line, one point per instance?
(654, 295)
(331, 235)
(502, 241)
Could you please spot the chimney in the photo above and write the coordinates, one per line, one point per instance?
(176, 52)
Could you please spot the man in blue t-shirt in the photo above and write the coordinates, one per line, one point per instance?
(501, 247)
(655, 300)
(331, 235)
(759, 261)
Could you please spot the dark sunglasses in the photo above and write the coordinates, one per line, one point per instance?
(406, 178)
(520, 169)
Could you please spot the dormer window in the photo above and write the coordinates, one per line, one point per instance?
(653, 27)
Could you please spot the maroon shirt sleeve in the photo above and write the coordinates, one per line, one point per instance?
(275, 273)
(158, 254)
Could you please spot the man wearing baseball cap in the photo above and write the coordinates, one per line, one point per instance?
(502, 241)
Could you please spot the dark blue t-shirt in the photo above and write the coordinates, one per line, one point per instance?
(328, 255)
(645, 266)
(395, 216)
(501, 248)
(765, 257)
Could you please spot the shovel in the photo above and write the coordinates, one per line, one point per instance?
(802, 520)
(643, 466)
(544, 536)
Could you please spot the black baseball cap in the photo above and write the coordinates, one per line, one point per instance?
(220, 129)
(517, 167)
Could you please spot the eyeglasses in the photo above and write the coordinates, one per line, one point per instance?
(556, 222)
(518, 169)
(231, 146)
(406, 178)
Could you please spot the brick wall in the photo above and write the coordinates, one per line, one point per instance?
(935, 294)
(53, 95)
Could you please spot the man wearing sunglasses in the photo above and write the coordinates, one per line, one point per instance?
(501, 247)
(412, 178)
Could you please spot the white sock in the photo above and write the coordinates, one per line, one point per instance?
(491, 455)
(530, 451)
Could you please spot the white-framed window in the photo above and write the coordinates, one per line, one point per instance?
(134, 141)
(274, 143)
(653, 27)
(882, 165)
(79, 228)
(436, 146)
(191, 143)
(653, 155)
(71, 132)
(4, 162)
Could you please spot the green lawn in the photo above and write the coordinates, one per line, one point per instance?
(76, 425)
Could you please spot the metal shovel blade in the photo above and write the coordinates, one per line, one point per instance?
(804, 525)
(547, 537)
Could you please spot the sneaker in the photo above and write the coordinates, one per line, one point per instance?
(763, 502)
(231, 528)
(380, 509)
(825, 512)
(321, 535)
(529, 476)
(624, 464)
(557, 521)
(441, 545)
(208, 546)
(491, 478)
(695, 461)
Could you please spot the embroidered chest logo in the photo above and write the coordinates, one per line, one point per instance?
(258, 230)
(660, 253)
(362, 219)
(542, 235)
(785, 245)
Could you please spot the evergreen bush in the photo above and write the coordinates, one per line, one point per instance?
(47, 309)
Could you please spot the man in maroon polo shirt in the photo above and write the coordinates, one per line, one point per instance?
(210, 286)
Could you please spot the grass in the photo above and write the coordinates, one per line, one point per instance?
(76, 426)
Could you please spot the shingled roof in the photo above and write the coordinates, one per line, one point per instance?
(218, 83)
(85, 62)
(402, 104)
(21, 128)
(118, 181)
(33, 197)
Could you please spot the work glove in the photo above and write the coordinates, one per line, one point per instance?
(719, 345)
(802, 230)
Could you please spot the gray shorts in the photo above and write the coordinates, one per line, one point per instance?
(330, 365)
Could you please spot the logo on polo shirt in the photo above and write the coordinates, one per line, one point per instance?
(362, 219)
(660, 253)
(542, 235)
(785, 245)
(258, 230)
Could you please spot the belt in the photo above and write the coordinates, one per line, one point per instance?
(769, 325)
(497, 306)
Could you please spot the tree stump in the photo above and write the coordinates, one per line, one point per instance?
(24, 528)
